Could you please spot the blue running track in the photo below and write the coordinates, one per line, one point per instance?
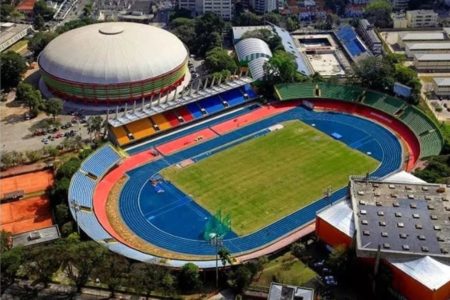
(171, 220)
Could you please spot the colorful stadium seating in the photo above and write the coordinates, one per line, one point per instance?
(195, 110)
(162, 122)
(141, 128)
(100, 161)
(425, 130)
(121, 135)
(212, 104)
(172, 118)
(184, 113)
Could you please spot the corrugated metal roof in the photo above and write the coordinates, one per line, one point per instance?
(426, 270)
(416, 36)
(248, 49)
(433, 57)
(442, 81)
(429, 46)
(256, 67)
(109, 53)
(340, 216)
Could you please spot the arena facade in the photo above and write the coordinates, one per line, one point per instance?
(113, 63)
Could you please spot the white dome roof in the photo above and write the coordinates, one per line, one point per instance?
(107, 53)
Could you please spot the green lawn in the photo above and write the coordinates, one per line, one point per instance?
(269, 177)
(285, 269)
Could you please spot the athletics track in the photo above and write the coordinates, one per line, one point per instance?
(144, 173)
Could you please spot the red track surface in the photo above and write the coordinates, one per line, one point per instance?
(186, 141)
(251, 117)
(25, 215)
(402, 131)
(106, 184)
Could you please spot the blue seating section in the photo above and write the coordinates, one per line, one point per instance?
(250, 92)
(233, 97)
(81, 189)
(89, 224)
(194, 110)
(358, 133)
(348, 37)
(101, 161)
(212, 104)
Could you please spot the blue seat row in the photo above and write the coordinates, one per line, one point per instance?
(233, 97)
(212, 104)
(81, 189)
(89, 224)
(101, 161)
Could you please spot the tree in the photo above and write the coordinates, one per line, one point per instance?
(217, 60)
(240, 278)
(280, 68)
(374, 73)
(5, 240)
(297, 249)
(407, 76)
(30, 96)
(38, 42)
(10, 262)
(208, 31)
(247, 19)
(5, 11)
(54, 107)
(69, 168)
(111, 271)
(13, 66)
(268, 36)
(33, 155)
(140, 280)
(87, 10)
(184, 29)
(224, 256)
(339, 260)
(95, 125)
(62, 214)
(42, 261)
(378, 12)
(292, 23)
(189, 277)
(80, 260)
(39, 22)
(16, 16)
(11, 159)
(41, 8)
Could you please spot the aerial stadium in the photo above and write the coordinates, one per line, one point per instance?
(113, 63)
(227, 166)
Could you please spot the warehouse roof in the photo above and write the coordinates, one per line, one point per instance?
(428, 46)
(442, 81)
(251, 48)
(433, 57)
(422, 36)
(256, 67)
(339, 216)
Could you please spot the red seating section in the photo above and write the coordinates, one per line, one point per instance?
(183, 112)
(172, 118)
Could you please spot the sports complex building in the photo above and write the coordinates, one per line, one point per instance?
(199, 168)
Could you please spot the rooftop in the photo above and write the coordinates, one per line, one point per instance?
(422, 36)
(280, 291)
(433, 57)
(428, 46)
(36, 236)
(401, 218)
(9, 30)
(442, 81)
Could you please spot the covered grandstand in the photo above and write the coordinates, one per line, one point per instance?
(113, 63)
(352, 44)
(425, 130)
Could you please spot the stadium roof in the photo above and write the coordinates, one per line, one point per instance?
(422, 36)
(442, 81)
(403, 177)
(289, 46)
(429, 46)
(110, 53)
(239, 31)
(433, 57)
(256, 67)
(428, 271)
(251, 48)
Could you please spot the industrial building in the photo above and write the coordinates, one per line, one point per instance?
(403, 222)
(423, 36)
(423, 48)
(367, 32)
(441, 86)
(112, 63)
(432, 62)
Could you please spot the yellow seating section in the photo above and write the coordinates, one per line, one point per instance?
(121, 135)
(162, 122)
(141, 128)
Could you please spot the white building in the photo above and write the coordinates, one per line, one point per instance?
(223, 8)
(432, 62)
(399, 20)
(263, 6)
(415, 37)
(423, 48)
(187, 4)
(421, 18)
(441, 86)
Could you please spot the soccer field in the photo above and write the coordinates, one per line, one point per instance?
(269, 177)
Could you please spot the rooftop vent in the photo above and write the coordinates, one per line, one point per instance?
(410, 196)
(382, 223)
(361, 193)
(363, 212)
(424, 188)
(386, 246)
(413, 205)
(384, 234)
(400, 225)
(433, 217)
(416, 216)
(380, 213)
(398, 214)
(366, 232)
(403, 235)
(396, 204)
(421, 237)
(425, 249)
(419, 226)
(392, 186)
(405, 247)
(437, 227)
(364, 222)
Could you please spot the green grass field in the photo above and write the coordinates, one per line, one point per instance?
(269, 177)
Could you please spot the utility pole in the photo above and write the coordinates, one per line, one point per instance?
(217, 241)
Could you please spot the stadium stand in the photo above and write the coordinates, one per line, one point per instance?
(347, 35)
(81, 189)
(162, 123)
(121, 135)
(184, 113)
(194, 110)
(341, 92)
(416, 120)
(89, 223)
(212, 105)
(172, 118)
(141, 128)
(101, 161)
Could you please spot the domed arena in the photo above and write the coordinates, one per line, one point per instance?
(113, 63)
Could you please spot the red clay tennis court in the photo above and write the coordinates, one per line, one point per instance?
(29, 183)
(186, 141)
(25, 215)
